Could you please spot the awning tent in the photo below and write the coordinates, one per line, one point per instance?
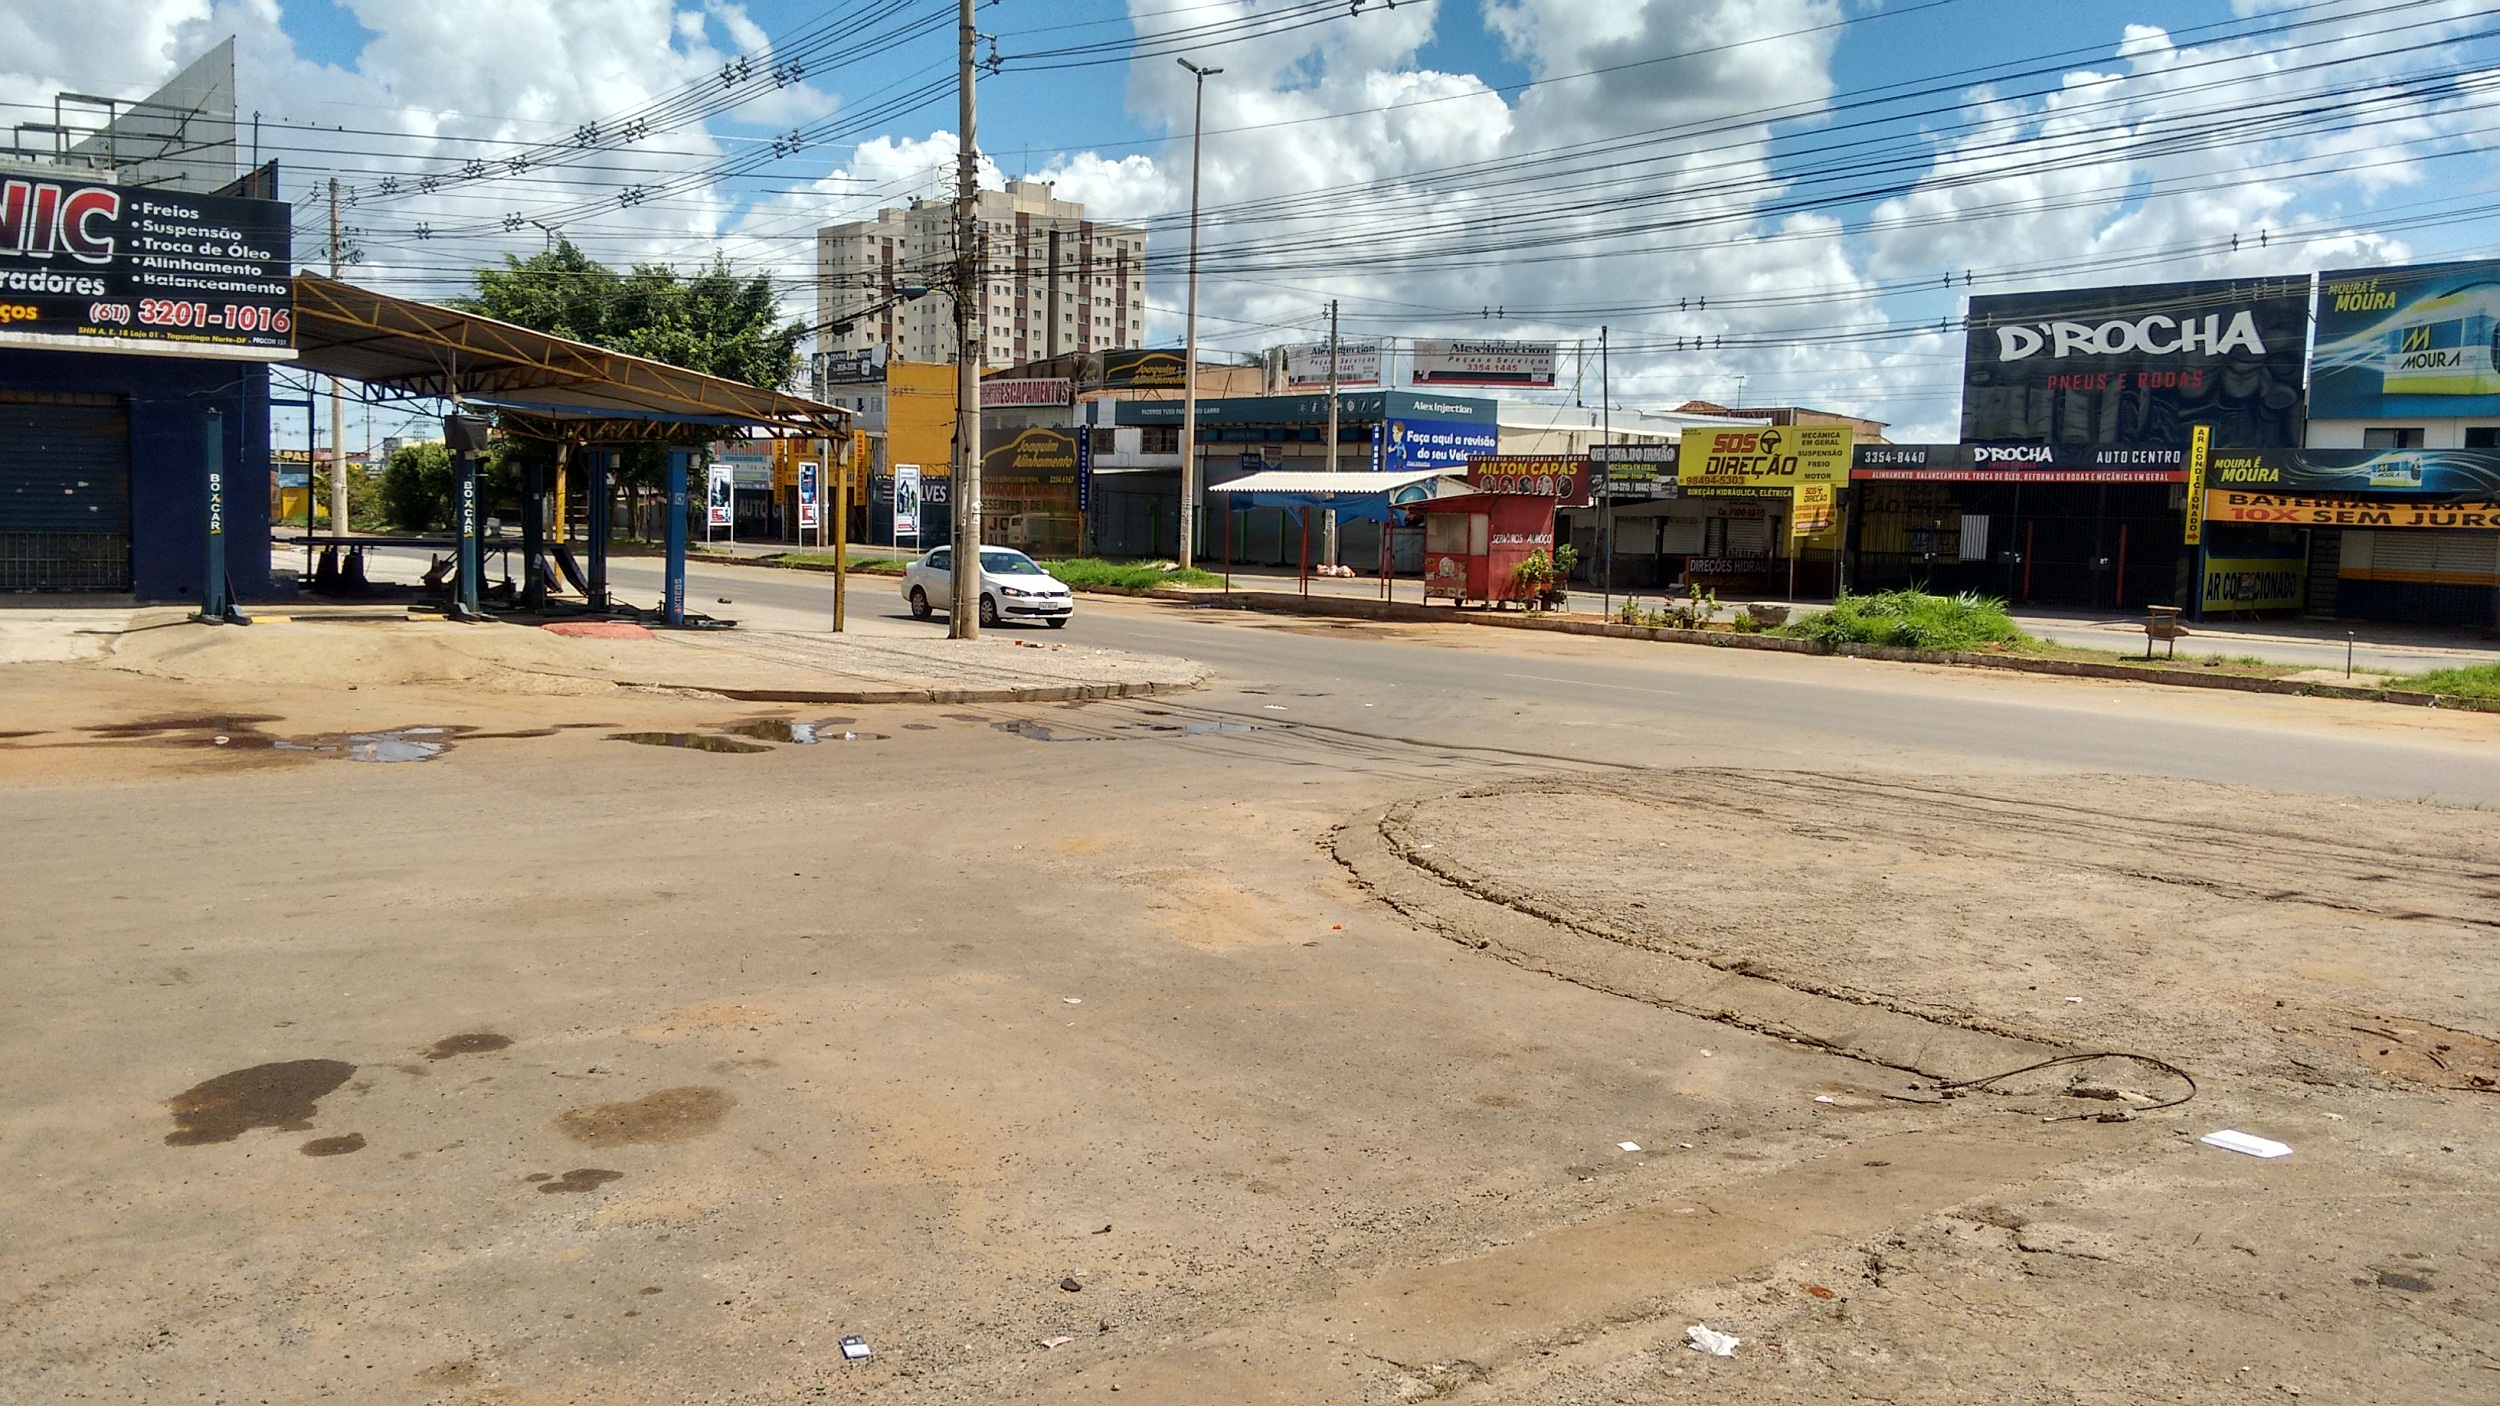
(1370, 497)
(540, 386)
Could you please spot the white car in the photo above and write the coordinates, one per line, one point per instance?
(1013, 587)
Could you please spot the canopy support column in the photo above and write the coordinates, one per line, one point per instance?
(673, 587)
(598, 493)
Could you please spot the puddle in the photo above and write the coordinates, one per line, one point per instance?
(242, 732)
(283, 1095)
(693, 741)
(671, 1115)
(777, 730)
(1135, 732)
(578, 1179)
(155, 727)
(334, 1146)
(475, 1042)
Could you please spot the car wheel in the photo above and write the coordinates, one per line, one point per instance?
(919, 603)
(1059, 622)
(989, 612)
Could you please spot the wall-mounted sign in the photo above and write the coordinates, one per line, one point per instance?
(2422, 341)
(2255, 583)
(137, 269)
(1033, 451)
(2019, 463)
(1769, 460)
(1142, 369)
(1306, 367)
(2301, 510)
(2360, 470)
(1000, 390)
(1566, 481)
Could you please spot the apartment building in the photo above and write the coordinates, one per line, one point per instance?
(1054, 281)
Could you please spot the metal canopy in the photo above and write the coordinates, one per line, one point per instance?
(542, 386)
(1327, 485)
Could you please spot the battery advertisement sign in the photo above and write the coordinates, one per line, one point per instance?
(2138, 364)
(136, 269)
(2421, 341)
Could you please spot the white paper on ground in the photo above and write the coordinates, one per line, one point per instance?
(1703, 1338)
(2230, 1141)
(1628, 1146)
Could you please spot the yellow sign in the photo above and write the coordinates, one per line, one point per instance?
(2254, 583)
(1771, 459)
(2288, 510)
(1813, 508)
(2200, 454)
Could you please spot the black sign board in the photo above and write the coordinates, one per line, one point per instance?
(2138, 365)
(165, 271)
(2020, 463)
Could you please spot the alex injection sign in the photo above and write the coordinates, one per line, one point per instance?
(2139, 364)
(83, 265)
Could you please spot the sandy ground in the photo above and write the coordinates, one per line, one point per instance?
(1051, 1050)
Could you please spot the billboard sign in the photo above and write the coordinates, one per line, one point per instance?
(1003, 390)
(719, 500)
(852, 366)
(1566, 481)
(2138, 364)
(1528, 365)
(2421, 341)
(1143, 369)
(1306, 367)
(1768, 460)
(907, 503)
(2298, 510)
(808, 494)
(2020, 463)
(1402, 444)
(2456, 471)
(87, 266)
(1034, 452)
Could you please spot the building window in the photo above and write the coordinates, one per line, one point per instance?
(2482, 437)
(1159, 439)
(2409, 437)
(1106, 440)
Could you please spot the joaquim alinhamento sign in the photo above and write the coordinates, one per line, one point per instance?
(2138, 365)
(92, 267)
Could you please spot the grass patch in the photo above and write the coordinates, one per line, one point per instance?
(1912, 620)
(860, 566)
(2472, 681)
(1095, 574)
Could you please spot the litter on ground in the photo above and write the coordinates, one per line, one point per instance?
(1703, 1338)
(2254, 1146)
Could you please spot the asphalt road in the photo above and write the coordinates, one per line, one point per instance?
(1625, 703)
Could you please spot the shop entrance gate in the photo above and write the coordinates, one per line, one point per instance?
(64, 492)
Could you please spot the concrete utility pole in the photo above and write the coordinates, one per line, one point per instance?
(1329, 552)
(1598, 501)
(963, 613)
(338, 403)
(1189, 371)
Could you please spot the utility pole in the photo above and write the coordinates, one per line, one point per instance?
(338, 403)
(963, 615)
(1189, 371)
(1597, 502)
(1328, 552)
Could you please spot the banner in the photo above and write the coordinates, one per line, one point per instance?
(1566, 481)
(808, 490)
(1031, 453)
(1523, 364)
(2199, 462)
(719, 500)
(84, 265)
(2421, 341)
(1140, 369)
(1306, 366)
(2361, 470)
(852, 366)
(1399, 445)
(2294, 510)
(2255, 583)
(1034, 391)
(907, 503)
(2138, 365)
(2019, 463)
(1768, 461)
(1813, 508)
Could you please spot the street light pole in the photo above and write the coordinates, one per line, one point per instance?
(1189, 369)
(963, 615)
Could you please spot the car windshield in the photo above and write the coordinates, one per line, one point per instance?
(1004, 563)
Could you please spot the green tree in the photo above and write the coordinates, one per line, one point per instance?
(417, 488)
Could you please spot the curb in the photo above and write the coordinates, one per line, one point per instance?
(1055, 693)
(1291, 603)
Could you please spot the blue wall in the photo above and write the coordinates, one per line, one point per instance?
(168, 398)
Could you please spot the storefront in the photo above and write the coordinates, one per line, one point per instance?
(132, 321)
(2402, 537)
(2095, 526)
(1032, 497)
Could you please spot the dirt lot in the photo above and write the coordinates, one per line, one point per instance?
(1059, 1050)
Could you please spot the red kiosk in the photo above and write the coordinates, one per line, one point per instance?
(1474, 543)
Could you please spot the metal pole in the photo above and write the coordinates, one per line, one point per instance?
(1189, 369)
(598, 490)
(673, 578)
(1606, 432)
(963, 615)
(464, 605)
(841, 526)
(338, 404)
(1328, 534)
(215, 607)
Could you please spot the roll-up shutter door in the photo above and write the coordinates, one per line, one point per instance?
(64, 493)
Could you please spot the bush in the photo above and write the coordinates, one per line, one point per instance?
(1911, 620)
(417, 488)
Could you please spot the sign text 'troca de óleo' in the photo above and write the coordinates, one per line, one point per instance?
(84, 265)
(1768, 461)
